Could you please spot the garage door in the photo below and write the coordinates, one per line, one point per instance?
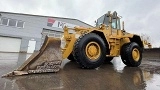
(8, 44)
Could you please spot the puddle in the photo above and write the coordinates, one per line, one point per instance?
(109, 76)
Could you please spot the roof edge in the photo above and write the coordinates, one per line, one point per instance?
(45, 16)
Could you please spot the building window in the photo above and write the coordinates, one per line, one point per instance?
(4, 21)
(20, 24)
(12, 22)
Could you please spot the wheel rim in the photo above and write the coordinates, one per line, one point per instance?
(135, 54)
(93, 50)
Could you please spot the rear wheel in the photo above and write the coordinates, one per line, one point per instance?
(131, 54)
(90, 51)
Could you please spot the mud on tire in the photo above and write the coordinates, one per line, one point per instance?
(89, 45)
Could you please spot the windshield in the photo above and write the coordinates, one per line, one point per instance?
(106, 21)
(100, 20)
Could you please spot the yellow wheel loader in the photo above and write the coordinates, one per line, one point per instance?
(89, 47)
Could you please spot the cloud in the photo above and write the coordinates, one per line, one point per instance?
(140, 16)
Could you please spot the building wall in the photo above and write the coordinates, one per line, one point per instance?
(33, 27)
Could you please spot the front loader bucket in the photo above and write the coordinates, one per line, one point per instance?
(47, 59)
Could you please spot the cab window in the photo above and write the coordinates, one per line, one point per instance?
(118, 24)
(106, 20)
(114, 23)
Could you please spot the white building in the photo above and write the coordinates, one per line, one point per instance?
(25, 32)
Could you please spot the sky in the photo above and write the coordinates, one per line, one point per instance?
(140, 16)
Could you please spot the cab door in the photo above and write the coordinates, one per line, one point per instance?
(115, 36)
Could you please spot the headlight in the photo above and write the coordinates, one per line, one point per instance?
(63, 42)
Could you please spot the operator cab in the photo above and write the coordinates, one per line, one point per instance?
(109, 19)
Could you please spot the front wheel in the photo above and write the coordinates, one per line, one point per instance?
(90, 51)
(131, 54)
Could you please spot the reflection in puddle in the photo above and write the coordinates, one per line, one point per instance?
(144, 78)
(36, 82)
(108, 76)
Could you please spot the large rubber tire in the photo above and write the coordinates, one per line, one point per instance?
(127, 54)
(81, 55)
(124, 54)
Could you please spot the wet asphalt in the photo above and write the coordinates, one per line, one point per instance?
(110, 76)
